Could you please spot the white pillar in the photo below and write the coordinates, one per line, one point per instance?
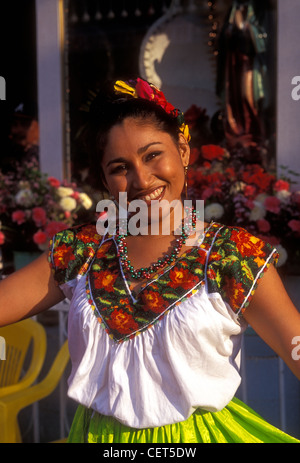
(288, 66)
(51, 113)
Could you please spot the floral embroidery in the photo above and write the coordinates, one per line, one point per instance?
(122, 321)
(63, 256)
(229, 261)
(236, 263)
(71, 250)
(153, 301)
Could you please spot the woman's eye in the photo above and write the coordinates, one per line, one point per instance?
(119, 169)
(153, 155)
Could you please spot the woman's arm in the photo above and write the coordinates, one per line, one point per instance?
(275, 319)
(28, 292)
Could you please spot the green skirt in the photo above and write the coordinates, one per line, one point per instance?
(236, 423)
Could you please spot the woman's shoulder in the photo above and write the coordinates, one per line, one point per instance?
(71, 250)
(232, 237)
(236, 262)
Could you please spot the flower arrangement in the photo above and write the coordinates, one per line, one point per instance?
(240, 192)
(35, 206)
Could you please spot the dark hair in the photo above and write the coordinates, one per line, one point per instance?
(108, 110)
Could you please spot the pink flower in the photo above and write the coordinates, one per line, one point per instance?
(281, 185)
(18, 216)
(148, 92)
(40, 237)
(54, 182)
(272, 204)
(54, 227)
(294, 225)
(207, 193)
(249, 203)
(75, 195)
(39, 216)
(2, 238)
(144, 90)
(263, 225)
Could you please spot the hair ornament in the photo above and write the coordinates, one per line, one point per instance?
(140, 88)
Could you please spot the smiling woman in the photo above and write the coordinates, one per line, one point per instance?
(155, 324)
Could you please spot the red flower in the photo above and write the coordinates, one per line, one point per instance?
(182, 277)
(105, 280)
(294, 225)
(263, 225)
(19, 217)
(54, 227)
(63, 255)
(102, 251)
(40, 237)
(54, 182)
(151, 93)
(194, 155)
(256, 175)
(281, 185)
(247, 244)
(88, 234)
(39, 216)
(272, 204)
(249, 191)
(122, 322)
(2, 238)
(234, 291)
(153, 301)
(211, 152)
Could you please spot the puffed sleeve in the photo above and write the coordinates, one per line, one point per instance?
(237, 260)
(71, 251)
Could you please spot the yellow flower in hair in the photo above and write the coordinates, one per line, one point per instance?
(184, 128)
(122, 87)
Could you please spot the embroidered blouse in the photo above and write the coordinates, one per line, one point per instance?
(152, 358)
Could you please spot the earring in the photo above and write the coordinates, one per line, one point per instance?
(186, 168)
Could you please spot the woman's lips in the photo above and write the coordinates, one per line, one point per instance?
(154, 195)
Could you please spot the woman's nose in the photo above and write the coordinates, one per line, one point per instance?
(141, 178)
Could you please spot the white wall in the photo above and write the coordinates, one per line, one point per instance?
(288, 66)
(50, 88)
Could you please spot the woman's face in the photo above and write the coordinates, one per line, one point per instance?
(144, 162)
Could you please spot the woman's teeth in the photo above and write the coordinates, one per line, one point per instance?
(154, 195)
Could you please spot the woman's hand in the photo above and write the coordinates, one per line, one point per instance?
(28, 292)
(275, 319)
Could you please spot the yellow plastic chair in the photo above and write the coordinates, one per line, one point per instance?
(12, 404)
(25, 341)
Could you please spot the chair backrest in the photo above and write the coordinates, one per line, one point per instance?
(25, 340)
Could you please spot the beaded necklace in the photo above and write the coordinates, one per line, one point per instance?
(147, 272)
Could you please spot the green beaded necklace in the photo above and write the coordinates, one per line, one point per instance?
(147, 272)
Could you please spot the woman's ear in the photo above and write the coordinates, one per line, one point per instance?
(184, 150)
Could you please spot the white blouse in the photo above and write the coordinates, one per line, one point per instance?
(188, 359)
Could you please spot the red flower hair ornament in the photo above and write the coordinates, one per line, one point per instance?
(140, 88)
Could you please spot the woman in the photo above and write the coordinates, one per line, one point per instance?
(155, 325)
